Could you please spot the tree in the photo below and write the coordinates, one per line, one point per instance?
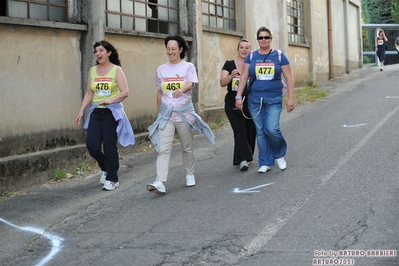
(377, 11)
(395, 10)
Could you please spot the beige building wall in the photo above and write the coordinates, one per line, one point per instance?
(40, 81)
(43, 78)
(318, 40)
(217, 48)
(355, 45)
(140, 57)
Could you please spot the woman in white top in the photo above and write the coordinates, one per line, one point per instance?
(174, 81)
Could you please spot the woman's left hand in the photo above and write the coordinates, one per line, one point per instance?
(290, 105)
(104, 103)
(177, 93)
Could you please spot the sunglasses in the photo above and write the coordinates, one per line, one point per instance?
(264, 37)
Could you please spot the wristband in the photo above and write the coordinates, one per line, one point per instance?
(238, 97)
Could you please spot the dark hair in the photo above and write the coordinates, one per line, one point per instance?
(264, 28)
(113, 57)
(242, 40)
(180, 41)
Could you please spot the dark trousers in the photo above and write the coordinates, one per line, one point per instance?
(243, 129)
(102, 131)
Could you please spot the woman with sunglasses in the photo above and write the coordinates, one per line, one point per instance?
(265, 100)
(243, 129)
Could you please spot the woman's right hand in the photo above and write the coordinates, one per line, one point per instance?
(234, 73)
(239, 103)
(78, 118)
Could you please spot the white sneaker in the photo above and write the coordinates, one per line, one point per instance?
(103, 177)
(244, 166)
(264, 169)
(190, 180)
(157, 187)
(282, 164)
(109, 185)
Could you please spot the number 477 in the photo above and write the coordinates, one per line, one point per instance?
(265, 70)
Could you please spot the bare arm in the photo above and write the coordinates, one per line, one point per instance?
(159, 99)
(290, 87)
(385, 37)
(241, 86)
(87, 99)
(226, 77)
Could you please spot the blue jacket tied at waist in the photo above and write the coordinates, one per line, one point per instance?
(123, 130)
(199, 125)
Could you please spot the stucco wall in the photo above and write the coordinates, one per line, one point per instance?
(355, 41)
(319, 41)
(269, 15)
(140, 57)
(339, 40)
(299, 62)
(217, 48)
(40, 82)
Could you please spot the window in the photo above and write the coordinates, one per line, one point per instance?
(159, 16)
(53, 10)
(295, 21)
(219, 14)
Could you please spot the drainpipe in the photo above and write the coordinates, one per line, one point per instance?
(330, 51)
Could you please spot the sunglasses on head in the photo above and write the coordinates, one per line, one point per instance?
(264, 37)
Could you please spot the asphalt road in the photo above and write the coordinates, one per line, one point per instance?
(337, 201)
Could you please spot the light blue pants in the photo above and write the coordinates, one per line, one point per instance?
(266, 115)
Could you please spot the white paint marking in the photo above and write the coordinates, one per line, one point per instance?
(392, 97)
(55, 240)
(355, 125)
(271, 229)
(248, 190)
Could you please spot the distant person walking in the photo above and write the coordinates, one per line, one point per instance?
(243, 128)
(106, 122)
(380, 47)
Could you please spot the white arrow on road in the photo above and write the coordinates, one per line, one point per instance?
(392, 97)
(250, 190)
(356, 125)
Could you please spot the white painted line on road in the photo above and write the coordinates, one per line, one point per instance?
(56, 241)
(392, 97)
(250, 190)
(271, 229)
(355, 125)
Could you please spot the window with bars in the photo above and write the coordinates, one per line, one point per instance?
(159, 16)
(296, 33)
(52, 10)
(219, 14)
